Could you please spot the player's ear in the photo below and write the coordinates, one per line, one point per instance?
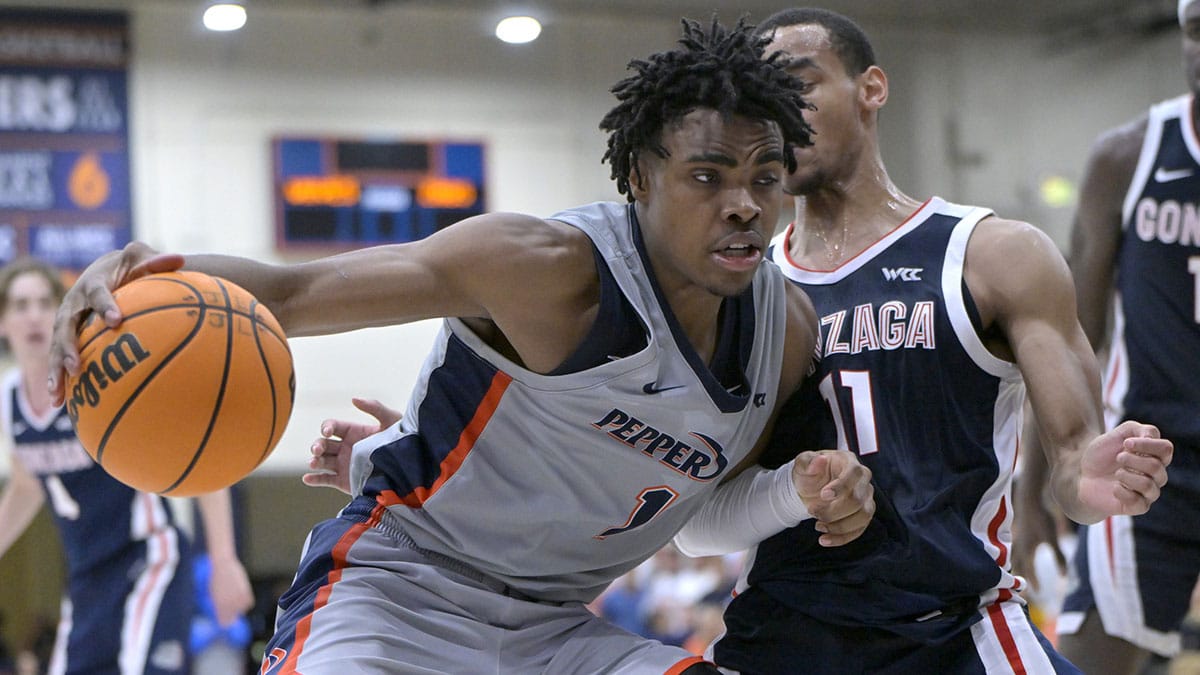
(637, 178)
(873, 88)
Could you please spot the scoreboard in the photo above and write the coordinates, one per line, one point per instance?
(349, 192)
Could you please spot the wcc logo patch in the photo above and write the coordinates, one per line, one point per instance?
(902, 273)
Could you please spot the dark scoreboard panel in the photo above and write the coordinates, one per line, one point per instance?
(347, 192)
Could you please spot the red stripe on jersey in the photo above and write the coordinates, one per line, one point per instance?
(1115, 375)
(466, 441)
(339, 552)
(684, 665)
(1112, 549)
(159, 541)
(1000, 624)
(994, 532)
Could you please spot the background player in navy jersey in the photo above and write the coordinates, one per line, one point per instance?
(1135, 255)
(129, 604)
(935, 318)
(605, 369)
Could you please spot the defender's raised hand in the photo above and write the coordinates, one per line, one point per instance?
(330, 463)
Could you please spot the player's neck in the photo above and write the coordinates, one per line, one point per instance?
(33, 385)
(835, 223)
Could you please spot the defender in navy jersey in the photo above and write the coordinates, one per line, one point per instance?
(129, 603)
(935, 318)
(1136, 260)
(598, 374)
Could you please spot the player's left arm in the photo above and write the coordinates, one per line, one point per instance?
(754, 503)
(1022, 284)
(228, 586)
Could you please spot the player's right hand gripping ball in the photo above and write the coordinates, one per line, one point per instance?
(190, 393)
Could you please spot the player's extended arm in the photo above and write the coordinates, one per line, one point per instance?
(21, 501)
(228, 586)
(330, 463)
(1095, 235)
(1021, 282)
(758, 503)
(533, 278)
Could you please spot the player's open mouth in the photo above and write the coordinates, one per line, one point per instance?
(739, 256)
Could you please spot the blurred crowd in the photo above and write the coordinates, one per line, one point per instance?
(673, 598)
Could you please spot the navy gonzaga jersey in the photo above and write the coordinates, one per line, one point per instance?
(97, 517)
(904, 381)
(557, 484)
(1155, 355)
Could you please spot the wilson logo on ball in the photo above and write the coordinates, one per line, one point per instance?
(115, 360)
(190, 392)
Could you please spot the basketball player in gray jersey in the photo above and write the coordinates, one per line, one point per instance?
(607, 368)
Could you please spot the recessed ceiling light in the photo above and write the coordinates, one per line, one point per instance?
(225, 16)
(518, 29)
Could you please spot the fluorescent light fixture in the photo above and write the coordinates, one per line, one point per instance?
(518, 29)
(225, 16)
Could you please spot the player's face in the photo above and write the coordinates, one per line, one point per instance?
(709, 208)
(1191, 46)
(28, 318)
(838, 121)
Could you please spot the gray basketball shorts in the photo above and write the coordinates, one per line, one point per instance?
(366, 600)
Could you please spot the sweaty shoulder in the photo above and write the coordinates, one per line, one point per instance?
(507, 252)
(1012, 265)
(521, 237)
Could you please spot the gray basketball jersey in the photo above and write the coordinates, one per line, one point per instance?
(556, 484)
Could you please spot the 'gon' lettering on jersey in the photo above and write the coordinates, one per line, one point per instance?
(1168, 222)
(894, 326)
(117, 359)
(700, 463)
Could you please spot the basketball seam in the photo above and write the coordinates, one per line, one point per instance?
(281, 338)
(112, 425)
(212, 420)
(262, 357)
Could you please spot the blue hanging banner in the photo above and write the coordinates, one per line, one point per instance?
(64, 135)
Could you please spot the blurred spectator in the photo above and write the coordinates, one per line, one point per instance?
(672, 598)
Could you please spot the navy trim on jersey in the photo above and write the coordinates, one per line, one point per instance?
(617, 331)
(725, 382)
(454, 395)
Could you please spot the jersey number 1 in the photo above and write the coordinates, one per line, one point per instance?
(861, 413)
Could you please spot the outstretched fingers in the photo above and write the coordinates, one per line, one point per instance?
(383, 414)
(329, 465)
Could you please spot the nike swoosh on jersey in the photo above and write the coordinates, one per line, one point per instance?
(1164, 175)
(653, 388)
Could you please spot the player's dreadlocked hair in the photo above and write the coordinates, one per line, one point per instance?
(718, 68)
